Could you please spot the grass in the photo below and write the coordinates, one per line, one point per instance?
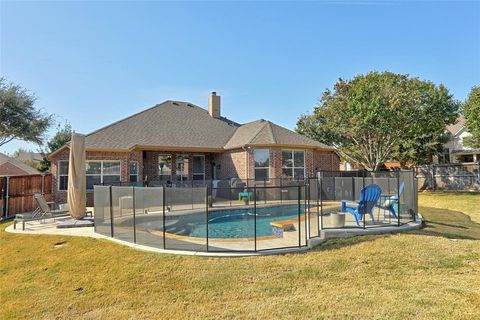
(422, 275)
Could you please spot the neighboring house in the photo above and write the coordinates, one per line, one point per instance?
(181, 143)
(13, 167)
(455, 151)
(29, 157)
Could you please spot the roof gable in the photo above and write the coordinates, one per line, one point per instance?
(7, 165)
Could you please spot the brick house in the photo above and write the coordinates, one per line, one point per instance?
(179, 143)
(13, 167)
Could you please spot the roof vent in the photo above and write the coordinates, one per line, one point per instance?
(175, 103)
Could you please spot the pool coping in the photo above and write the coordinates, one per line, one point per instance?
(311, 243)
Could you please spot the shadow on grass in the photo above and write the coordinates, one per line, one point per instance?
(449, 224)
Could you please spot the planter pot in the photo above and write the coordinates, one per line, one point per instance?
(337, 219)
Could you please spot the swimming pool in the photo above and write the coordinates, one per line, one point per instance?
(235, 223)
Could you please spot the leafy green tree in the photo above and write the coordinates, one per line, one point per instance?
(471, 109)
(59, 139)
(19, 119)
(381, 117)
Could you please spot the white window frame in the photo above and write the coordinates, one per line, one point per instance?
(101, 174)
(292, 151)
(255, 168)
(193, 167)
(129, 171)
(180, 174)
(62, 175)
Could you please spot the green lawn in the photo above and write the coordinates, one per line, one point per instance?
(422, 275)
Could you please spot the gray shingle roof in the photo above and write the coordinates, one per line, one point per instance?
(454, 128)
(264, 133)
(176, 124)
(22, 166)
(169, 124)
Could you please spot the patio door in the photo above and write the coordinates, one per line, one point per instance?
(199, 168)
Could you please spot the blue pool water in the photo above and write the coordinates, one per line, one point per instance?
(240, 223)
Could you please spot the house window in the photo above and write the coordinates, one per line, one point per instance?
(62, 175)
(182, 168)
(102, 172)
(261, 159)
(133, 171)
(444, 157)
(465, 158)
(199, 168)
(293, 164)
(165, 167)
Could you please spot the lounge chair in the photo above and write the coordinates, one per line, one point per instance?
(390, 203)
(368, 200)
(43, 211)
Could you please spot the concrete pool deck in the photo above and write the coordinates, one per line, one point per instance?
(49, 227)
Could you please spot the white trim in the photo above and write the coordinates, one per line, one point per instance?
(101, 174)
(129, 172)
(268, 168)
(292, 151)
(61, 175)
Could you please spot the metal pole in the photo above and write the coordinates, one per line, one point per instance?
(321, 203)
(305, 211)
(398, 195)
(206, 216)
(318, 210)
(255, 216)
(281, 193)
(299, 223)
(265, 190)
(134, 214)
(163, 216)
(111, 211)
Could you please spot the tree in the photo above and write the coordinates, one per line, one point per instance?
(19, 119)
(61, 137)
(381, 117)
(471, 109)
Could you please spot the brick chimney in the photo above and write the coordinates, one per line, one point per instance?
(214, 105)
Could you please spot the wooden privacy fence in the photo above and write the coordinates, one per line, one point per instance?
(17, 193)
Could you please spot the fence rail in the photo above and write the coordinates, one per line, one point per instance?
(247, 218)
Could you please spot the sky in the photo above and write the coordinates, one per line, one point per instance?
(92, 63)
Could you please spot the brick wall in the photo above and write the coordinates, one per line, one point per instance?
(325, 161)
(124, 157)
(233, 164)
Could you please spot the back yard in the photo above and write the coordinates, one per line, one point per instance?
(430, 274)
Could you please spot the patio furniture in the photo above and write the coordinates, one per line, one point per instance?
(390, 202)
(43, 211)
(369, 197)
(245, 194)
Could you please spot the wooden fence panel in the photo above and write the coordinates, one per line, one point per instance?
(20, 191)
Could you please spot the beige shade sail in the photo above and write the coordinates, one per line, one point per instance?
(76, 177)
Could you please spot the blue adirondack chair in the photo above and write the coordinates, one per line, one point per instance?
(368, 200)
(390, 203)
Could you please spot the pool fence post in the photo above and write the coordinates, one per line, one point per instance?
(111, 211)
(318, 208)
(299, 222)
(321, 201)
(307, 206)
(398, 196)
(281, 193)
(206, 216)
(134, 221)
(163, 216)
(265, 190)
(255, 215)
